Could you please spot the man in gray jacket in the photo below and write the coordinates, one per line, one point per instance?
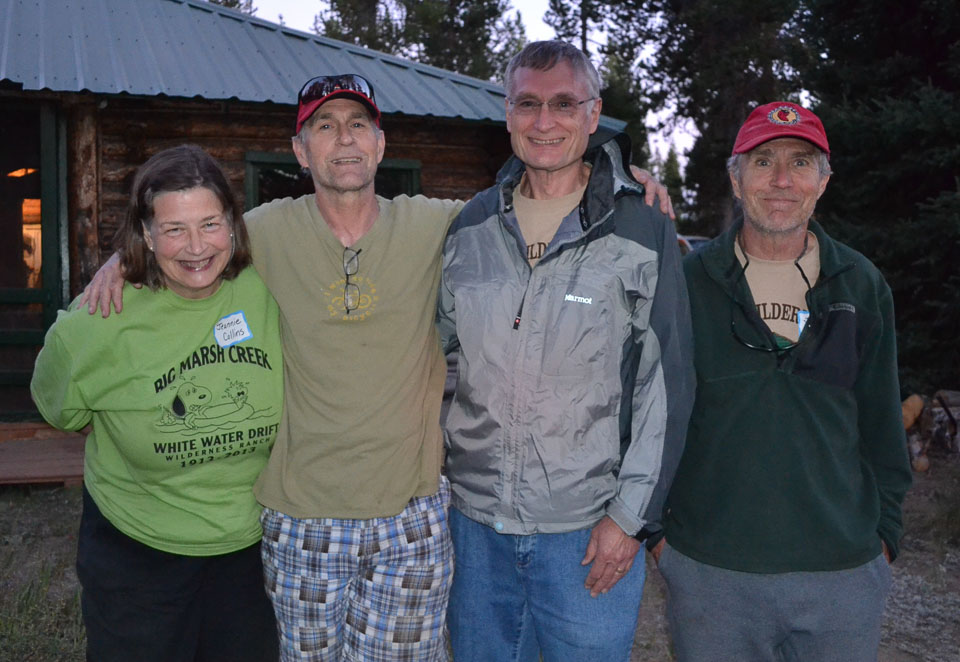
(564, 295)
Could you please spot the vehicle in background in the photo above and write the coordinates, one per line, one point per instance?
(690, 243)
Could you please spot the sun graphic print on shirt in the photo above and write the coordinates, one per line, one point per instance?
(366, 302)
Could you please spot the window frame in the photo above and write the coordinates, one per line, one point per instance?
(54, 249)
(253, 161)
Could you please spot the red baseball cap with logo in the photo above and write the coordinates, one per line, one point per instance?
(317, 91)
(780, 119)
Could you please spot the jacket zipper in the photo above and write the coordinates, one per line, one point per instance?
(516, 320)
(513, 434)
(582, 237)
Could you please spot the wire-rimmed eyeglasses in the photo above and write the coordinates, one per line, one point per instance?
(561, 105)
(351, 291)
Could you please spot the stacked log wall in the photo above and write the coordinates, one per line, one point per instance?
(457, 158)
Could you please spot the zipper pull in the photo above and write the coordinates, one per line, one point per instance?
(516, 320)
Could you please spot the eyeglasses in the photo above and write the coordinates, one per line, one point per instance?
(777, 348)
(351, 291)
(564, 106)
(323, 86)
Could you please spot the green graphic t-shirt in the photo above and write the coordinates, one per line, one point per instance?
(185, 397)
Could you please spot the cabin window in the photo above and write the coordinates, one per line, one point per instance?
(270, 176)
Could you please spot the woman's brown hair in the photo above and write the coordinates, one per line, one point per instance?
(175, 169)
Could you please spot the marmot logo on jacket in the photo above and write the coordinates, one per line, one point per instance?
(577, 299)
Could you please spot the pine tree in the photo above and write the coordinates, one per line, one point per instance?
(624, 99)
(471, 38)
(375, 24)
(671, 177)
(886, 77)
(572, 20)
(711, 61)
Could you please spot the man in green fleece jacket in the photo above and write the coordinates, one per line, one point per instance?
(786, 507)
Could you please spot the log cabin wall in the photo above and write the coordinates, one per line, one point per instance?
(457, 158)
(96, 142)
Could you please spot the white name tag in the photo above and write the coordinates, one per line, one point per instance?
(802, 317)
(232, 329)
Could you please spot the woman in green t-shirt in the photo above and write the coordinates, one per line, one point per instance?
(184, 393)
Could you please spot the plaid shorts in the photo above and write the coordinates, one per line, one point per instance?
(374, 590)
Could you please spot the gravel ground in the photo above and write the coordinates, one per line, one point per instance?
(923, 611)
(922, 618)
(922, 623)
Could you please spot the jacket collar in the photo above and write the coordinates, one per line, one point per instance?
(720, 260)
(609, 163)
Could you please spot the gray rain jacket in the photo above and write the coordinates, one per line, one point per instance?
(576, 376)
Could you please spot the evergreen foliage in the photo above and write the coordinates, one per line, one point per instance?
(372, 24)
(886, 79)
(624, 98)
(671, 177)
(710, 61)
(572, 20)
(472, 38)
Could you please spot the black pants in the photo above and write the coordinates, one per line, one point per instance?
(142, 604)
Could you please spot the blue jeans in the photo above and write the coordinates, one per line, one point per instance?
(517, 597)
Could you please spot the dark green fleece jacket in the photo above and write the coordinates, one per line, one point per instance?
(794, 460)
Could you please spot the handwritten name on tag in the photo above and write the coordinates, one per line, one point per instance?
(232, 329)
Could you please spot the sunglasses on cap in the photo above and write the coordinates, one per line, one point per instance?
(318, 90)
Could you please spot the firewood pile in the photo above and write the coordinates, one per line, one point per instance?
(931, 425)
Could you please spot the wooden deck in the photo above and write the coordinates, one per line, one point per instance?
(38, 453)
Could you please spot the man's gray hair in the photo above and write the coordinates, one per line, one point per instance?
(544, 55)
(735, 162)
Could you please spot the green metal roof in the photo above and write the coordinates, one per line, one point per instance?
(188, 48)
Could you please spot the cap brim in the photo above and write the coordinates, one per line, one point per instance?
(756, 141)
(306, 111)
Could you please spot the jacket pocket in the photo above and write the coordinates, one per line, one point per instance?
(834, 358)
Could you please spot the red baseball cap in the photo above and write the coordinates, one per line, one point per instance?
(780, 119)
(317, 91)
